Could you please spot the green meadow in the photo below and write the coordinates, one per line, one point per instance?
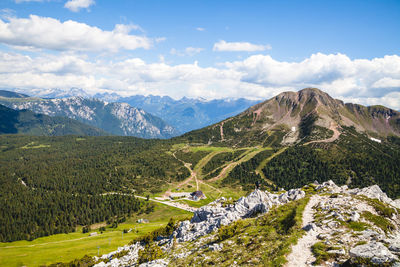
(67, 247)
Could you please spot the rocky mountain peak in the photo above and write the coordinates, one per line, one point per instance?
(307, 115)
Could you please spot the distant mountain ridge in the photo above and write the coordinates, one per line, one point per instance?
(188, 114)
(4, 93)
(185, 114)
(28, 122)
(115, 118)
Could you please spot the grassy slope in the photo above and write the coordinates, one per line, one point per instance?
(261, 241)
(67, 247)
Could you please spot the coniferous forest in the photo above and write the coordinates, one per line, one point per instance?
(50, 185)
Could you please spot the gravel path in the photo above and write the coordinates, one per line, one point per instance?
(301, 254)
(336, 134)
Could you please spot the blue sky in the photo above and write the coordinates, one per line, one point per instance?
(209, 49)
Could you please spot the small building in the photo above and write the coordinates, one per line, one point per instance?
(197, 195)
(142, 221)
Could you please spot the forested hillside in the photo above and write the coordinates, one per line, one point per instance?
(353, 159)
(52, 184)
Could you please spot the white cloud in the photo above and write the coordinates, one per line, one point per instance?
(49, 33)
(76, 5)
(362, 81)
(239, 46)
(188, 51)
(200, 29)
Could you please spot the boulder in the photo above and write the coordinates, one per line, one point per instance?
(396, 203)
(373, 192)
(215, 247)
(340, 252)
(310, 227)
(355, 216)
(155, 263)
(374, 252)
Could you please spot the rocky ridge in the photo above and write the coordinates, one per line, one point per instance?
(206, 220)
(356, 226)
(114, 118)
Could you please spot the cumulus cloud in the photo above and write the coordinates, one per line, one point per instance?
(188, 51)
(368, 82)
(76, 5)
(223, 46)
(49, 33)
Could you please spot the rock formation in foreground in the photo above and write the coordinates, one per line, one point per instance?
(340, 225)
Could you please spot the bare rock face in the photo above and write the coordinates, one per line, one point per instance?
(373, 252)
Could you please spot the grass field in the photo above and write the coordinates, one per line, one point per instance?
(67, 247)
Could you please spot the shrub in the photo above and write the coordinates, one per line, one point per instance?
(231, 230)
(357, 226)
(162, 231)
(86, 229)
(379, 221)
(86, 261)
(150, 252)
(319, 250)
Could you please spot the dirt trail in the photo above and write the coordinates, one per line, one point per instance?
(301, 254)
(172, 204)
(336, 134)
(256, 115)
(232, 165)
(193, 175)
(223, 172)
(221, 128)
(264, 163)
(216, 189)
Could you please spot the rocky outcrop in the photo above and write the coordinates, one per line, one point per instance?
(374, 252)
(373, 192)
(129, 259)
(351, 228)
(212, 216)
(205, 220)
(155, 263)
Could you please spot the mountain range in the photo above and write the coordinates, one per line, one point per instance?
(28, 122)
(185, 114)
(114, 118)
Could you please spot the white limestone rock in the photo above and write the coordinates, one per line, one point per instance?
(376, 252)
(212, 216)
(355, 216)
(155, 263)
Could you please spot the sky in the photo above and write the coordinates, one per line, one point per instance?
(204, 48)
